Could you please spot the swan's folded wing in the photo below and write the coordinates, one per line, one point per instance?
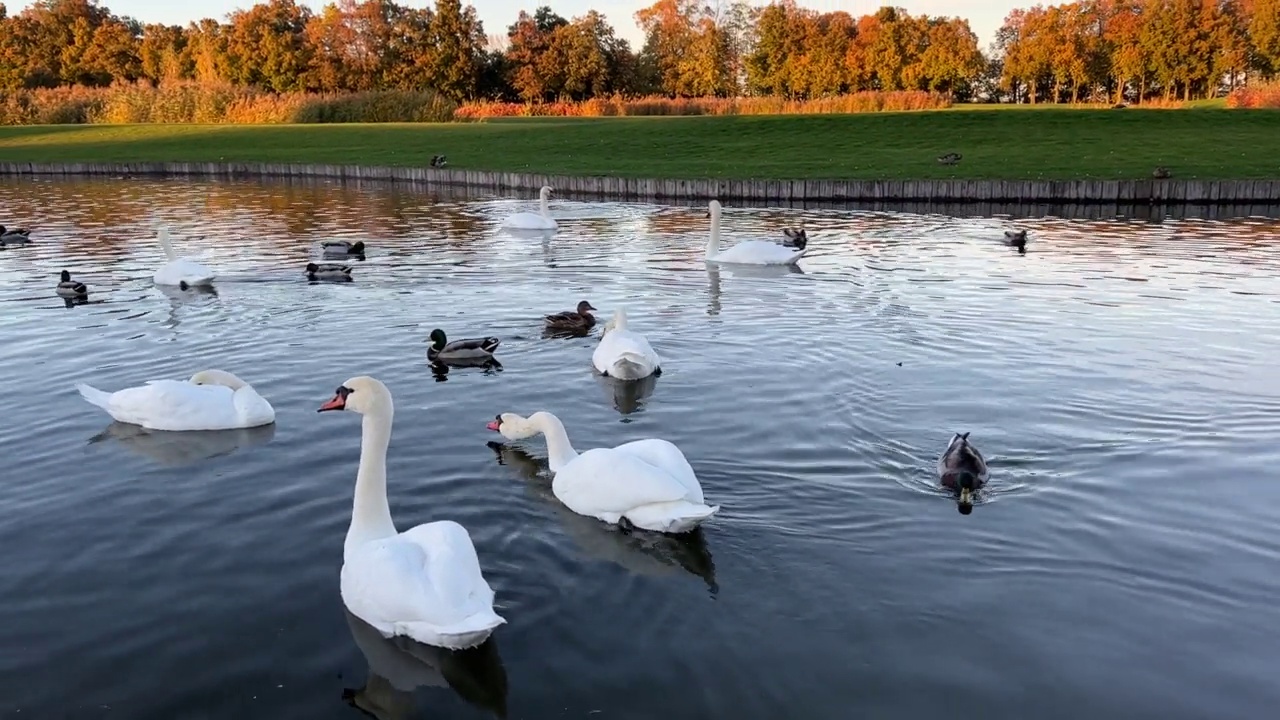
(605, 480)
(666, 455)
(619, 343)
(428, 574)
(175, 405)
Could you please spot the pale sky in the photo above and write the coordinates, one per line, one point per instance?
(984, 16)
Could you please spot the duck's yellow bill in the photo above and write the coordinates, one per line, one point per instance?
(966, 496)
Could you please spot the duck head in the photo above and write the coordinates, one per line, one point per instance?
(585, 308)
(438, 339)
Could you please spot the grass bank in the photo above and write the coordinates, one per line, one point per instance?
(1047, 144)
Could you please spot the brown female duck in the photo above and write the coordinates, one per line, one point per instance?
(573, 321)
(963, 469)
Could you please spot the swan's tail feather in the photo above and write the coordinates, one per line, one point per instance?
(467, 632)
(677, 517)
(95, 396)
(630, 366)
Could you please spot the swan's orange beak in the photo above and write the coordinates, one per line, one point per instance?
(493, 425)
(337, 403)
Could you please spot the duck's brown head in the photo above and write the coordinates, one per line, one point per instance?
(585, 308)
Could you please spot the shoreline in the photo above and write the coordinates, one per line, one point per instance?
(1172, 191)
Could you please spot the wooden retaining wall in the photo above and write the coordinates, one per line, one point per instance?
(1120, 192)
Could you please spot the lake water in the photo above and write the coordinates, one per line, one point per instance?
(1120, 378)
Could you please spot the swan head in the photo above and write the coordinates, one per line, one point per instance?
(514, 427)
(713, 210)
(361, 394)
(217, 377)
(544, 193)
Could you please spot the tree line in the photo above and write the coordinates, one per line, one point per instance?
(1094, 50)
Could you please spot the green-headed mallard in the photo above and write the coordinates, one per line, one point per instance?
(16, 236)
(794, 237)
(571, 320)
(328, 272)
(443, 350)
(70, 288)
(342, 247)
(1016, 238)
(963, 469)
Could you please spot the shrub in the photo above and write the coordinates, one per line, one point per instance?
(1255, 97)
(870, 101)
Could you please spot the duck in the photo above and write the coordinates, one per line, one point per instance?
(646, 484)
(16, 236)
(471, 348)
(540, 220)
(950, 158)
(439, 161)
(1161, 173)
(210, 400)
(182, 272)
(623, 353)
(342, 247)
(328, 272)
(424, 583)
(69, 288)
(1016, 238)
(748, 252)
(962, 468)
(794, 237)
(572, 320)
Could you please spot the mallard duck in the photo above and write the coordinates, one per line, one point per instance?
(328, 272)
(70, 288)
(1016, 238)
(342, 247)
(582, 319)
(16, 236)
(1161, 173)
(438, 161)
(470, 348)
(962, 468)
(949, 158)
(794, 237)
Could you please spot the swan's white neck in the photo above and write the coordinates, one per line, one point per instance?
(713, 242)
(559, 451)
(370, 514)
(168, 247)
(542, 206)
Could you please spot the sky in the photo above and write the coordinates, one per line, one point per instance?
(984, 16)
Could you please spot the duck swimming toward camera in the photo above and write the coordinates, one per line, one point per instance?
(468, 349)
(963, 469)
(1016, 238)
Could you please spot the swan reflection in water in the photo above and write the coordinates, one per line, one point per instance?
(639, 551)
(440, 368)
(176, 449)
(741, 270)
(628, 395)
(399, 665)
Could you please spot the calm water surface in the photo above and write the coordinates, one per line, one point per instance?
(1120, 377)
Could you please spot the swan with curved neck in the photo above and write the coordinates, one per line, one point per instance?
(424, 583)
(209, 400)
(540, 220)
(748, 252)
(180, 271)
(645, 483)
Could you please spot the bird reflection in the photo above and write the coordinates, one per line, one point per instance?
(399, 665)
(176, 449)
(440, 368)
(563, 334)
(73, 302)
(189, 293)
(713, 289)
(639, 551)
(628, 395)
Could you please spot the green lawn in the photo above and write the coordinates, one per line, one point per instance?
(1049, 143)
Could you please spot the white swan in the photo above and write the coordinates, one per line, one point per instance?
(748, 252)
(424, 583)
(624, 353)
(646, 483)
(540, 220)
(210, 400)
(182, 272)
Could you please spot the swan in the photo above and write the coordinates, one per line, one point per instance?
(182, 272)
(424, 583)
(962, 468)
(646, 483)
(749, 252)
(624, 353)
(210, 400)
(69, 288)
(540, 220)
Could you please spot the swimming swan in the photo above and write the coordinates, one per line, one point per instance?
(540, 220)
(748, 252)
(646, 483)
(210, 400)
(624, 353)
(424, 583)
(182, 272)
